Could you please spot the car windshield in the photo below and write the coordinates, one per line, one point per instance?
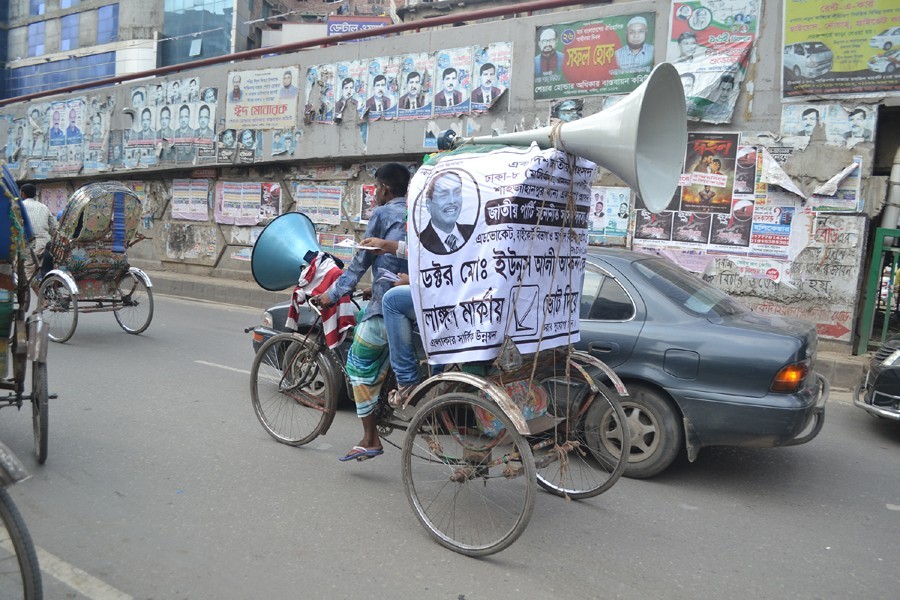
(815, 47)
(687, 290)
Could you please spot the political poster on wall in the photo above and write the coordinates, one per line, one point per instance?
(416, 80)
(383, 86)
(262, 99)
(238, 202)
(492, 71)
(709, 45)
(844, 126)
(841, 48)
(453, 81)
(350, 88)
(319, 94)
(612, 55)
(321, 203)
(497, 249)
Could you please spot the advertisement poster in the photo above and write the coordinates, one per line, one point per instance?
(238, 203)
(844, 126)
(508, 260)
(841, 48)
(321, 203)
(492, 70)
(262, 99)
(416, 80)
(56, 197)
(709, 45)
(710, 161)
(190, 199)
(453, 81)
(612, 55)
(367, 203)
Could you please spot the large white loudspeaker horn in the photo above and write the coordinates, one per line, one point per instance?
(280, 251)
(642, 138)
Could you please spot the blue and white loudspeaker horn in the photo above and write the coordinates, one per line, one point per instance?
(279, 254)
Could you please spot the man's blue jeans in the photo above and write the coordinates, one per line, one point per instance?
(399, 316)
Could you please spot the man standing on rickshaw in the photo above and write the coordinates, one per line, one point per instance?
(44, 225)
(367, 361)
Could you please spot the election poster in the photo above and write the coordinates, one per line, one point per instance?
(453, 81)
(262, 99)
(497, 250)
(492, 70)
(709, 45)
(841, 48)
(416, 81)
(612, 55)
(238, 202)
(383, 88)
(319, 95)
(321, 203)
(350, 86)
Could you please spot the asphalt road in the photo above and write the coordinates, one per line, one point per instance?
(161, 484)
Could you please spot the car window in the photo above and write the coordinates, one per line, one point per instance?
(604, 299)
(687, 290)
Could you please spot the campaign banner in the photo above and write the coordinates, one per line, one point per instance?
(497, 249)
(841, 48)
(612, 55)
(262, 99)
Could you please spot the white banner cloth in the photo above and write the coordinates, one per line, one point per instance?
(494, 251)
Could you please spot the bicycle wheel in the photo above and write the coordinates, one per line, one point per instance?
(39, 416)
(20, 574)
(571, 461)
(59, 308)
(474, 493)
(293, 388)
(137, 304)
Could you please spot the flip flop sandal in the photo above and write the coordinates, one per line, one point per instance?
(359, 453)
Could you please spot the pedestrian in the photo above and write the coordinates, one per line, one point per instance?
(44, 225)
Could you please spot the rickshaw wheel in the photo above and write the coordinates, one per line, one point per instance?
(59, 308)
(469, 475)
(293, 389)
(579, 465)
(39, 406)
(136, 310)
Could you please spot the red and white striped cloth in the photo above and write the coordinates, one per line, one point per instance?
(314, 280)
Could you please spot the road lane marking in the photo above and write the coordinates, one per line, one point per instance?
(226, 367)
(80, 581)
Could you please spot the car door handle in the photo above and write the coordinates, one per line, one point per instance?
(603, 347)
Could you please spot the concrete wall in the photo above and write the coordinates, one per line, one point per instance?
(348, 153)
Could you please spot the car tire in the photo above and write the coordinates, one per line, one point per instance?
(888, 46)
(654, 426)
(889, 69)
(797, 72)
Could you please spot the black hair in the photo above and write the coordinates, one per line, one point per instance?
(857, 111)
(345, 81)
(686, 35)
(487, 66)
(810, 111)
(395, 176)
(413, 74)
(448, 71)
(379, 78)
(28, 190)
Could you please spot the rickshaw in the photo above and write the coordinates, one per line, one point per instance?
(91, 271)
(22, 337)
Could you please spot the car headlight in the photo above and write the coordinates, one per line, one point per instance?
(267, 319)
(890, 360)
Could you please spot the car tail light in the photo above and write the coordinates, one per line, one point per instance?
(790, 377)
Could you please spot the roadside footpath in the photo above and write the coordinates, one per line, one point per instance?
(842, 370)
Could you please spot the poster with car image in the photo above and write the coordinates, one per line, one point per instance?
(837, 48)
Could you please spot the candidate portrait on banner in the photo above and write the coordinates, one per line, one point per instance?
(441, 231)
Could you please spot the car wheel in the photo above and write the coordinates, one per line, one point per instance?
(654, 428)
(890, 68)
(888, 46)
(797, 71)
